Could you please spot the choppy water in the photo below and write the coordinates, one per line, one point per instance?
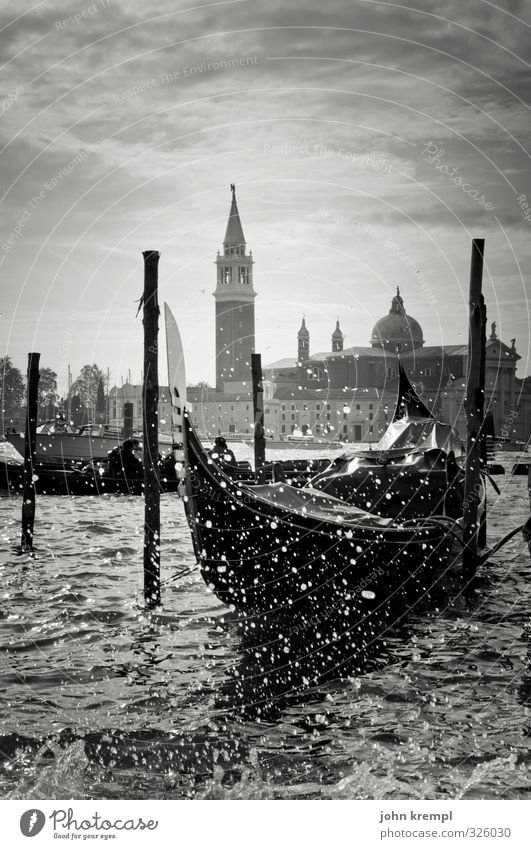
(102, 700)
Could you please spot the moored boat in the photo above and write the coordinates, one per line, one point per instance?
(58, 480)
(303, 443)
(275, 547)
(60, 444)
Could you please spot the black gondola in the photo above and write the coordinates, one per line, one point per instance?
(53, 480)
(279, 548)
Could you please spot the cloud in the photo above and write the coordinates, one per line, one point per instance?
(176, 104)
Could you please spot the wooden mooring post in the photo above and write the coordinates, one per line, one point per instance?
(151, 431)
(30, 439)
(258, 413)
(474, 406)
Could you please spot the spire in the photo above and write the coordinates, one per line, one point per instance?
(337, 338)
(234, 237)
(303, 332)
(303, 342)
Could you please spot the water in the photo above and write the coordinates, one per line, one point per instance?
(102, 700)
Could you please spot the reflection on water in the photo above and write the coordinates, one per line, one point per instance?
(101, 700)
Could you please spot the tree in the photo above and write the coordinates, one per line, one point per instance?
(47, 391)
(86, 386)
(101, 401)
(76, 410)
(12, 388)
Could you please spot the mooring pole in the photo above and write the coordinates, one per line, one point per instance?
(151, 431)
(30, 439)
(258, 412)
(474, 402)
(482, 529)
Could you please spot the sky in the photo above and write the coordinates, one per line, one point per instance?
(369, 141)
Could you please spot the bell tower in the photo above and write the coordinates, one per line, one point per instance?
(337, 338)
(303, 342)
(234, 297)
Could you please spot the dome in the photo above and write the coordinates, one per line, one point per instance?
(397, 331)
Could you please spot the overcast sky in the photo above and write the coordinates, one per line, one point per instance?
(369, 142)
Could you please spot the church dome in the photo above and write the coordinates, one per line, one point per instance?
(397, 331)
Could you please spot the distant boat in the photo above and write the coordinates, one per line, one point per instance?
(504, 443)
(60, 443)
(304, 442)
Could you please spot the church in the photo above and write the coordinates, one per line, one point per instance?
(348, 393)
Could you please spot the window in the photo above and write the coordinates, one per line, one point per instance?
(283, 417)
(317, 406)
(293, 417)
(370, 406)
(267, 410)
(283, 429)
(358, 406)
(371, 416)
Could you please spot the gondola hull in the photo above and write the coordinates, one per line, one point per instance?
(278, 548)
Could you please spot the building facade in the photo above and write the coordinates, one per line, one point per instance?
(346, 393)
(361, 383)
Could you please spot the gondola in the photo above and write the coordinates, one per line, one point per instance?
(57, 480)
(274, 547)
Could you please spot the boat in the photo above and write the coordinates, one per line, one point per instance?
(272, 547)
(59, 443)
(415, 470)
(58, 480)
(77, 479)
(303, 442)
(504, 443)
